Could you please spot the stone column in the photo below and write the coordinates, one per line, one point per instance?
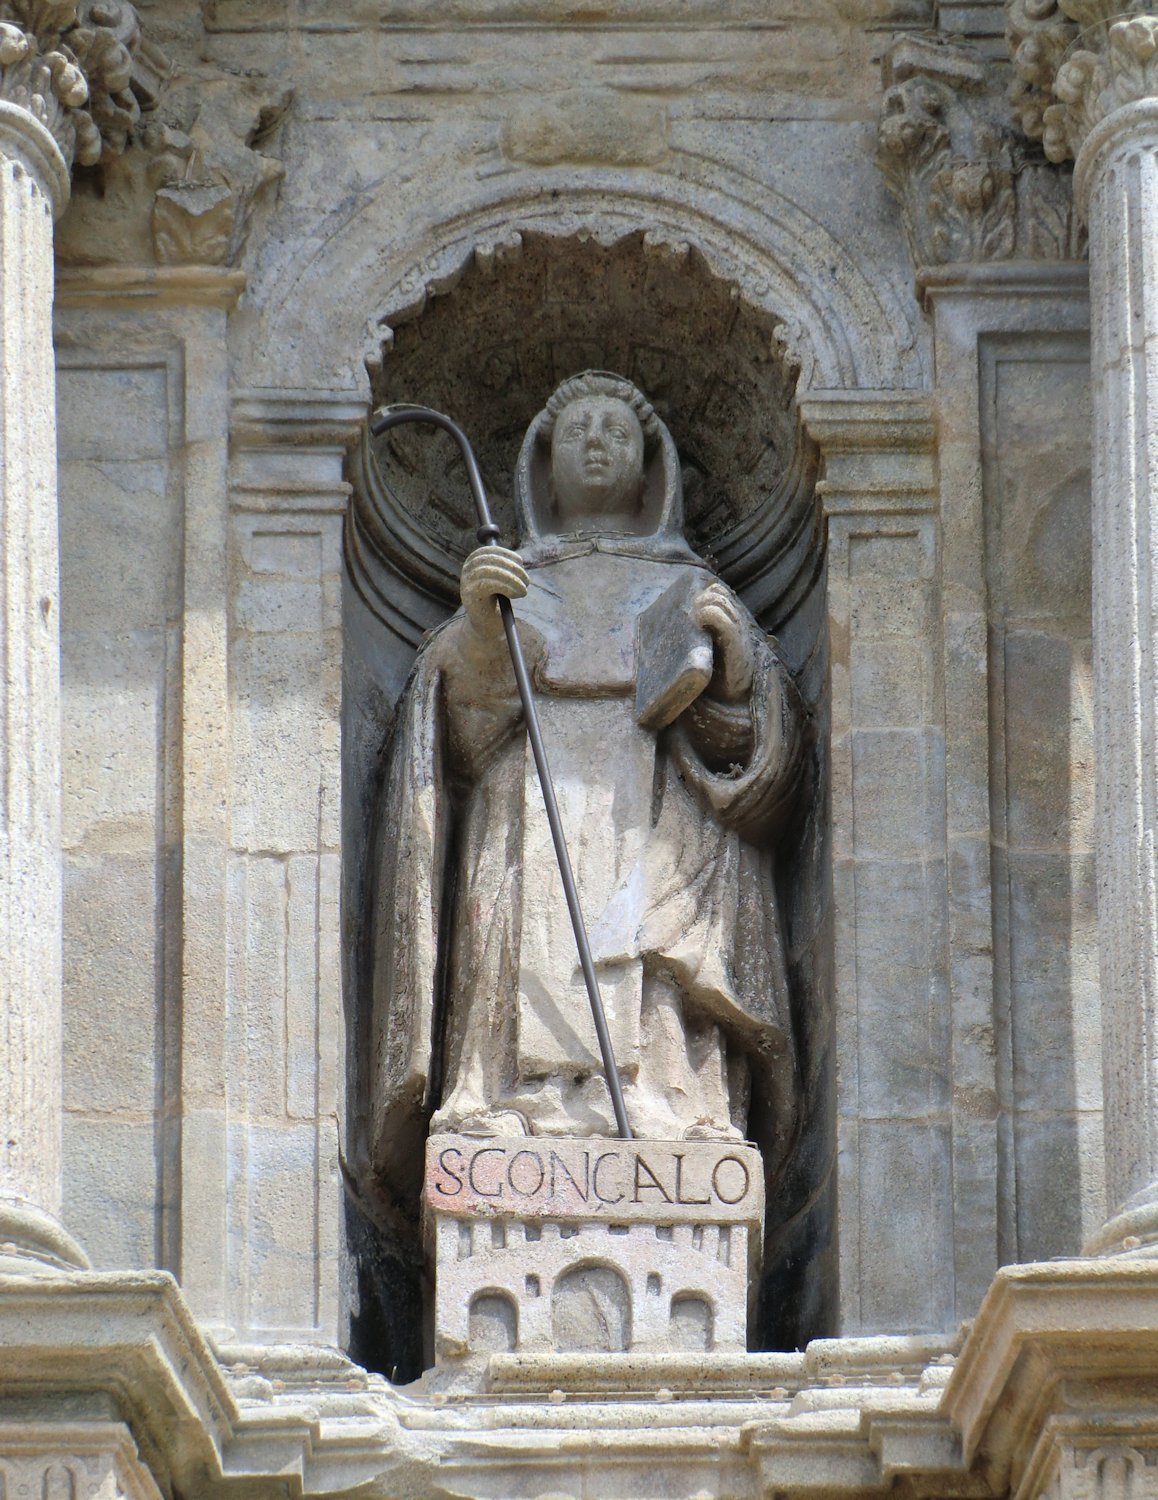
(45, 125)
(1105, 114)
(34, 187)
(1118, 185)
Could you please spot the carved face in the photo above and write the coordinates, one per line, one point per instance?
(597, 459)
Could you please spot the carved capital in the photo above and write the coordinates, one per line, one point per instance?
(968, 190)
(1091, 86)
(80, 69)
(1038, 33)
(1075, 62)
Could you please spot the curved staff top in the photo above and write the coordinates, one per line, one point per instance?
(488, 535)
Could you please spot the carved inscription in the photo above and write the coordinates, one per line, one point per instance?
(552, 1177)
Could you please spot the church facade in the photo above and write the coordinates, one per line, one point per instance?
(884, 270)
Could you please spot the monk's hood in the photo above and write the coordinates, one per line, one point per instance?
(661, 524)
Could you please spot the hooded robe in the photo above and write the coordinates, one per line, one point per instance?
(480, 1013)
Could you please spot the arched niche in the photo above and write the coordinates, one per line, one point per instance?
(853, 326)
(722, 368)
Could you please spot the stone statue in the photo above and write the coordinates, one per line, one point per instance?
(677, 745)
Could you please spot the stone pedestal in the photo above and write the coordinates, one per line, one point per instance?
(33, 187)
(551, 1245)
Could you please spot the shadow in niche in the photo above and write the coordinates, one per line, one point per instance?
(385, 1300)
(489, 351)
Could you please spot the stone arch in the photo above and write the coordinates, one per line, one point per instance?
(59, 1482)
(1122, 1472)
(692, 1322)
(719, 365)
(850, 330)
(591, 1310)
(493, 1319)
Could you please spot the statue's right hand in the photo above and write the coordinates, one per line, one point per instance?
(487, 573)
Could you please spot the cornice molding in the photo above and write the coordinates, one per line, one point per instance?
(166, 286)
(1060, 1364)
(1057, 1349)
(530, 15)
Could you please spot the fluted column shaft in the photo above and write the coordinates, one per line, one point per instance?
(1117, 180)
(34, 183)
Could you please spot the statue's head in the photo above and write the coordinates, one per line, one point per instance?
(598, 426)
(598, 462)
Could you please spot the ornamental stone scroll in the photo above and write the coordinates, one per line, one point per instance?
(82, 70)
(1075, 62)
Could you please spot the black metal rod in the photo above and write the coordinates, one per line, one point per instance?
(488, 535)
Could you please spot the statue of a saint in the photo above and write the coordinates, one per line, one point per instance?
(677, 745)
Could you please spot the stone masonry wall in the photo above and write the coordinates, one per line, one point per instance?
(317, 174)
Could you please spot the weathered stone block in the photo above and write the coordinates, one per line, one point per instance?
(891, 683)
(902, 1026)
(1049, 742)
(113, 737)
(908, 1167)
(890, 606)
(898, 780)
(1053, 956)
(278, 757)
(274, 1188)
(113, 411)
(112, 988)
(113, 1188)
(1054, 1147)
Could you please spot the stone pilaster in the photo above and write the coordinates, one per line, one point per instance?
(889, 842)
(52, 112)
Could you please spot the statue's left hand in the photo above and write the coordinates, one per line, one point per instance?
(719, 613)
